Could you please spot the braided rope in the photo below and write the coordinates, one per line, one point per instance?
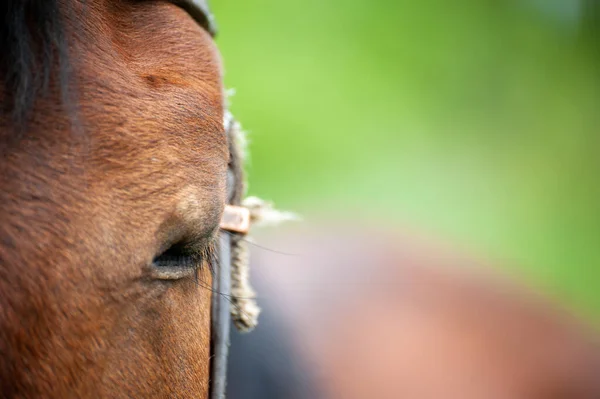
(244, 309)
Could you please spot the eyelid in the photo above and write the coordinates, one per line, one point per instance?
(172, 273)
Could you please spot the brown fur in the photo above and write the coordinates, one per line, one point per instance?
(85, 207)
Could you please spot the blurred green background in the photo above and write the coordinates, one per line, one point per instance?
(475, 120)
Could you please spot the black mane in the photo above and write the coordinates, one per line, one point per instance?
(32, 50)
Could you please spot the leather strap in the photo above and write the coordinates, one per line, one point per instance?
(200, 11)
(220, 318)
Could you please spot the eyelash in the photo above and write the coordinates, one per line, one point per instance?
(178, 261)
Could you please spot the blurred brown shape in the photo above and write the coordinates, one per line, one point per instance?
(374, 314)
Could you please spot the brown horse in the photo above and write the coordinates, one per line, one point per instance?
(366, 313)
(112, 174)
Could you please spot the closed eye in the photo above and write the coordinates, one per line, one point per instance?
(179, 261)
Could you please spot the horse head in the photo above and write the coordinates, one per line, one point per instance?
(113, 173)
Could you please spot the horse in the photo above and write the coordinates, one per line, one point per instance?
(358, 311)
(113, 173)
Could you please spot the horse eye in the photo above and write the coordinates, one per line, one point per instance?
(175, 263)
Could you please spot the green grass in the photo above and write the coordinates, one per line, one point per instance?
(477, 121)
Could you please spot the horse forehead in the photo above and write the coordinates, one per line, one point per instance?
(155, 68)
(146, 36)
(165, 27)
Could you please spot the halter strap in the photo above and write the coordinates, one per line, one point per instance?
(199, 10)
(237, 220)
(220, 319)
